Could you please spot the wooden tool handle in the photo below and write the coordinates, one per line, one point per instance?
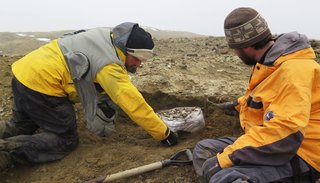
(134, 171)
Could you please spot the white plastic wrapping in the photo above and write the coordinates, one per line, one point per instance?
(188, 119)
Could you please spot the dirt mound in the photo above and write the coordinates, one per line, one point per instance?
(184, 72)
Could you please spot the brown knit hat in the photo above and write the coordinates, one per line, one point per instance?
(244, 27)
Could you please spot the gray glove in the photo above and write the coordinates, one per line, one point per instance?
(229, 107)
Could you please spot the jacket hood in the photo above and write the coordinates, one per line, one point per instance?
(121, 35)
(286, 44)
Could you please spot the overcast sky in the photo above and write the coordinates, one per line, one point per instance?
(198, 16)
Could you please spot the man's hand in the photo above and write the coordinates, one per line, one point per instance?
(226, 105)
(229, 107)
(171, 140)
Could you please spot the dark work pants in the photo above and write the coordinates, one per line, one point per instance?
(44, 126)
(251, 173)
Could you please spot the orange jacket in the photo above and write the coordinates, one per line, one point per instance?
(280, 111)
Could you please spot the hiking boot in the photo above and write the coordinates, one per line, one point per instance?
(5, 161)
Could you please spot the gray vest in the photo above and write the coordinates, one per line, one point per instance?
(86, 52)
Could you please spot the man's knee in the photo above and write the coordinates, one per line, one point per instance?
(202, 150)
(208, 148)
(201, 153)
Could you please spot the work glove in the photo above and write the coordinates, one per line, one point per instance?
(209, 168)
(228, 107)
(171, 139)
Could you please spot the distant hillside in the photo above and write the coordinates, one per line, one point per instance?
(20, 43)
(164, 34)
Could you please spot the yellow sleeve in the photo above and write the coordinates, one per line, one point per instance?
(115, 81)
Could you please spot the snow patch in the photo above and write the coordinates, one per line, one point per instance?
(44, 39)
(154, 29)
(20, 34)
(24, 35)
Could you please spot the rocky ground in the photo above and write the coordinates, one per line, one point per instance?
(185, 72)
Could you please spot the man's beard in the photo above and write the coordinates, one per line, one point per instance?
(131, 69)
(246, 58)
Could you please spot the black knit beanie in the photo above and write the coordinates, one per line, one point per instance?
(140, 39)
(244, 27)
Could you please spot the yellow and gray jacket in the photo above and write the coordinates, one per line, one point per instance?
(69, 67)
(280, 111)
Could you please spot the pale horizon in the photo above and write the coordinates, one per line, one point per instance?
(203, 17)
